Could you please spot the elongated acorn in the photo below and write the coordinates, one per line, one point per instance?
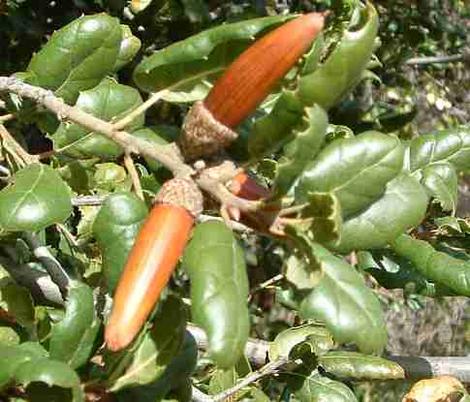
(245, 187)
(209, 125)
(153, 258)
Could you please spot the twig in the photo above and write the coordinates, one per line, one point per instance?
(6, 117)
(415, 367)
(199, 396)
(69, 236)
(269, 282)
(268, 369)
(154, 98)
(5, 171)
(88, 200)
(40, 284)
(431, 366)
(129, 163)
(434, 59)
(53, 267)
(168, 155)
(17, 148)
(234, 225)
(45, 154)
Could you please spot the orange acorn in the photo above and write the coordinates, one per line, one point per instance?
(245, 187)
(209, 125)
(152, 260)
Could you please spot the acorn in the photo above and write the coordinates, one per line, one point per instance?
(152, 260)
(209, 125)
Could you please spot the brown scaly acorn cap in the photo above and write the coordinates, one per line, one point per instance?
(245, 84)
(183, 193)
(202, 134)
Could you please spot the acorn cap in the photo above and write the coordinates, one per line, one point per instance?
(245, 84)
(202, 134)
(183, 193)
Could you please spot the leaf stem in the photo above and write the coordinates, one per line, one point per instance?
(16, 147)
(6, 117)
(168, 155)
(53, 267)
(435, 59)
(125, 121)
(130, 166)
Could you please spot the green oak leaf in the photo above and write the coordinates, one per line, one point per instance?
(356, 170)
(159, 346)
(441, 182)
(316, 388)
(72, 338)
(358, 366)
(394, 272)
(184, 68)
(37, 198)
(115, 228)
(219, 290)
(304, 144)
(333, 79)
(402, 207)
(108, 101)
(52, 373)
(13, 356)
(452, 146)
(78, 56)
(318, 338)
(350, 310)
(437, 266)
(129, 47)
(175, 375)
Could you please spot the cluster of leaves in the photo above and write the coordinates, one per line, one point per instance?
(352, 191)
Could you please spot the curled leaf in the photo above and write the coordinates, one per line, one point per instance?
(344, 67)
(439, 389)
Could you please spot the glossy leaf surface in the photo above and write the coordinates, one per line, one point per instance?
(317, 388)
(317, 337)
(350, 309)
(356, 170)
(115, 228)
(303, 146)
(357, 366)
(73, 337)
(441, 181)
(37, 198)
(403, 206)
(394, 272)
(176, 374)
(157, 348)
(342, 70)
(219, 290)
(52, 373)
(272, 131)
(129, 47)
(182, 68)
(108, 101)
(78, 56)
(451, 146)
(440, 267)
